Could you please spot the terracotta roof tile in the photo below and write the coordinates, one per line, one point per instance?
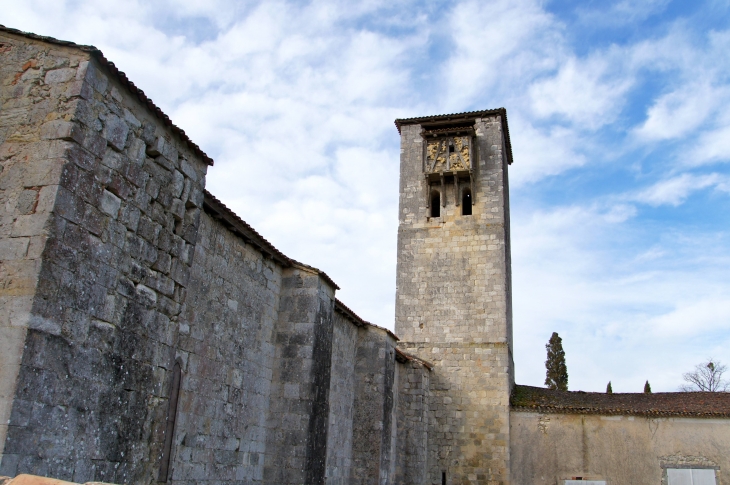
(690, 404)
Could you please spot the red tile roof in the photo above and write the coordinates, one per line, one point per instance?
(689, 404)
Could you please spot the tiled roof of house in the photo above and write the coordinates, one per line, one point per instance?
(99, 56)
(689, 404)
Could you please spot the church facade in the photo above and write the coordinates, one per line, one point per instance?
(148, 334)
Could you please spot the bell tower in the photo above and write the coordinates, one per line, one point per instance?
(453, 296)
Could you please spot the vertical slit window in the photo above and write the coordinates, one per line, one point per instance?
(170, 427)
(435, 203)
(466, 203)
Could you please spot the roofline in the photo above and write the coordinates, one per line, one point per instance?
(465, 116)
(123, 79)
(406, 357)
(219, 211)
(345, 311)
(615, 412)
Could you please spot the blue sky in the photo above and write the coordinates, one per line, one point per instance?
(618, 112)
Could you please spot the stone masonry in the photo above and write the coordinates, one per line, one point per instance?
(453, 303)
(118, 272)
(149, 335)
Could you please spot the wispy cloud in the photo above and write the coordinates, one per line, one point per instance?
(674, 191)
(295, 101)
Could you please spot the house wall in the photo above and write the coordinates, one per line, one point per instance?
(623, 450)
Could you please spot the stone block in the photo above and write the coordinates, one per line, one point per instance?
(13, 248)
(115, 132)
(29, 225)
(110, 204)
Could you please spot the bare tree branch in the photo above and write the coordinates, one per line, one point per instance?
(707, 377)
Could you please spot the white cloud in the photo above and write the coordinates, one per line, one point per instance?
(540, 153)
(520, 40)
(675, 190)
(589, 93)
(680, 112)
(713, 146)
(622, 12)
(295, 101)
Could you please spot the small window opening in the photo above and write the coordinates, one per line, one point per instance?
(170, 427)
(435, 204)
(443, 478)
(466, 203)
(451, 148)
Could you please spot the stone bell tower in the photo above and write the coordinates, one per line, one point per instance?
(453, 297)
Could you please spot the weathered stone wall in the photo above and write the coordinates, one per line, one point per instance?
(299, 410)
(38, 83)
(117, 268)
(623, 450)
(453, 307)
(342, 399)
(375, 399)
(412, 423)
(226, 348)
(104, 319)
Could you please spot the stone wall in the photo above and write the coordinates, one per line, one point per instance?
(375, 396)
(299, 411)
(453, 307)
(120, 276)
(412, 422)
(104, 318)
(342, 399)
(227, 353)
(623, 450)
(38, 83)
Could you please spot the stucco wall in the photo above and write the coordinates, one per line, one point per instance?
(623, 450)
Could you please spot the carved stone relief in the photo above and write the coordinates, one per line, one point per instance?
(449, 154)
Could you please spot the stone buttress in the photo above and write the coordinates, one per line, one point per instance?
(453, 303)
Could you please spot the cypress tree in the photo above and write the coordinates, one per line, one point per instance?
(556, 376)
(647, 388)
(609, 389)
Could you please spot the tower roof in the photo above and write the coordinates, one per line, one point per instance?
(458, 119)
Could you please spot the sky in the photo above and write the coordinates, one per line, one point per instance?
(619, 113)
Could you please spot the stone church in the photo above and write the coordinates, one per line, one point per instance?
(149, 335)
